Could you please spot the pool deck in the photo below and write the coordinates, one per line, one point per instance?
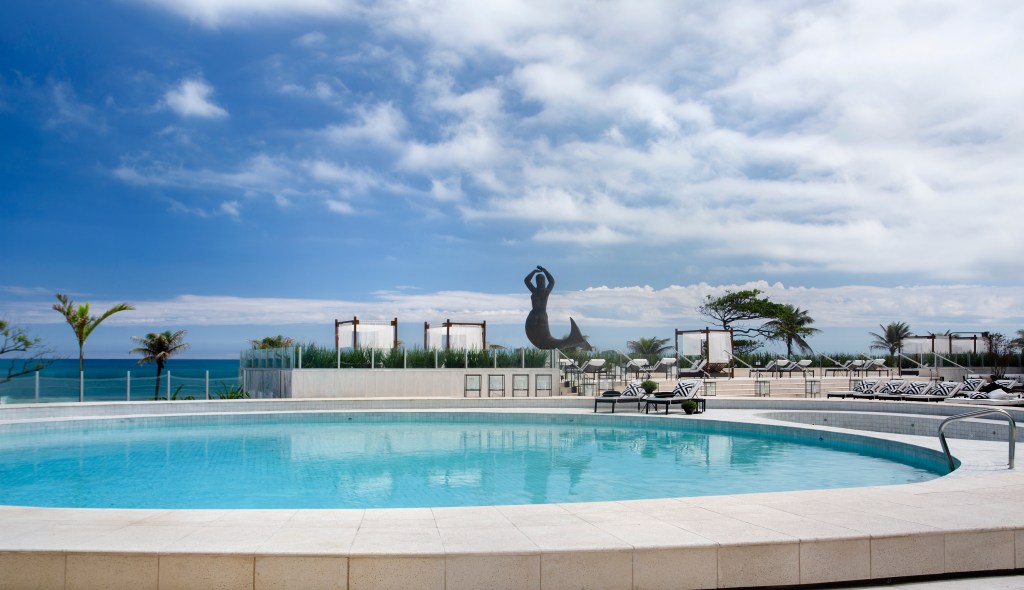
(969, 521)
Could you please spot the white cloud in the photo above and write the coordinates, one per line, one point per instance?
(926, 307)
(382, 124)
(799, 136)
(191, 98)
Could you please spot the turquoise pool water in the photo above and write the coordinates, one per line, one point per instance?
(388, 459)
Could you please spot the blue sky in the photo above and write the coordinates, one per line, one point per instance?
(245, 168)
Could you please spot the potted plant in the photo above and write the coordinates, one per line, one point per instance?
(689, 406)
(650, 386)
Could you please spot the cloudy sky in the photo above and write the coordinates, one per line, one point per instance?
(240, 168)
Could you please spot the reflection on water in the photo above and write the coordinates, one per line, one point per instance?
(335, 463)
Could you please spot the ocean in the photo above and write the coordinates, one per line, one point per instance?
(107, 380)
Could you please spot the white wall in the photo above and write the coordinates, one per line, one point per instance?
(323, 383)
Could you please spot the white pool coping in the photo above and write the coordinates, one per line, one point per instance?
(969, 521)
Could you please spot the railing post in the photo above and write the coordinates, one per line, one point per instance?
(208, 384)
(300, 357)
(405, 358)
(168, 386)
(37, 387)
(523, 358)
(128, 387)
(81, 386)
(373, 362)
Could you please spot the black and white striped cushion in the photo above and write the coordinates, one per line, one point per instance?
(917, 388)
(865, 385)
(978, 395)
(633, 390)
(972, 384)
(685, 389)
(892, 386)
(946, 387)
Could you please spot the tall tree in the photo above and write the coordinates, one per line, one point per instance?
(891, 336)
(82, 323)
(791, 325)
(734, 308)
(648, 348)
(157, 348)
(32, 354)
(279, 341)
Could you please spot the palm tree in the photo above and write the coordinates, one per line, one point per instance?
(791, 325)
(82, 323)
(891, 337)
(648, 348)
(158, 348)
(1018, 342)
(278, 341)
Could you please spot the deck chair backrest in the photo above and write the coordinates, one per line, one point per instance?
(917, 388)
(947, 388)
(803, 364)
(686, 388)
(892, 386)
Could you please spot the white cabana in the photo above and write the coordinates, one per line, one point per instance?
(357, 333)
(458, 335)
(944, 344)
(713, 345)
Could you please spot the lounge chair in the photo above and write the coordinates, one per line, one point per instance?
(859, 387)
(877, 365)
(921, 391)
(776, 366)
(639, 366)
(803, 366)
(844, 368)
(869, 388)
(892, 390)
(666, 364)
(696, 369)
(685, 390)
(632, 394)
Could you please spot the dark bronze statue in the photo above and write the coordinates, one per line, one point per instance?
(537, 329)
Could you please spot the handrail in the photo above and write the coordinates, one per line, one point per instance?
(1012, 434)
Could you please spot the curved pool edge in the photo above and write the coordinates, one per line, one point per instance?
(968, 521)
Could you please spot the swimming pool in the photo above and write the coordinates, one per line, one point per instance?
(421, 459)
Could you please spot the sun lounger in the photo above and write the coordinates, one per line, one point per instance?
(802, 366)
(666, 364)
(685, 390)
(891, 390)
(639, 366)
(632, 394)
(922, 391)
(775, 366)
(860, 387)
(696, 369)
(845, 368)
(869, 388)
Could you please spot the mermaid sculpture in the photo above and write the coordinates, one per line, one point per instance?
(537, 329)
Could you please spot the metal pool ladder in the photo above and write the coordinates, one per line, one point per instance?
(974, 414)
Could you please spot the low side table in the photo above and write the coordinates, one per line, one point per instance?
(812, 387)
(762, 388)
